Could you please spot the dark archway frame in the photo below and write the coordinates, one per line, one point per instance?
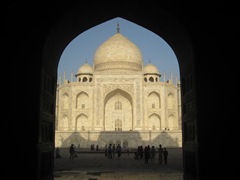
(35, 34)
(167, 27)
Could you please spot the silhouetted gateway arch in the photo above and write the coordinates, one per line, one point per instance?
(43, 35)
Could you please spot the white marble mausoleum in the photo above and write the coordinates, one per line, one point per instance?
(118, 100)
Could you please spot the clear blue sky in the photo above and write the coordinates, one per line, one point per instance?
(84, 46)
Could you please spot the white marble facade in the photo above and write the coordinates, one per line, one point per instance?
(118, 100)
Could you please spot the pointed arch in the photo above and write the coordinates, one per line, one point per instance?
(65, 101)
(154, 122)
(65, 123)
(154, 100)
(170, 100)
(118, 106)
(171, 122)
(82, 123)
(82, 100)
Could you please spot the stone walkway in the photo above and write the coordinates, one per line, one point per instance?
(95, 166)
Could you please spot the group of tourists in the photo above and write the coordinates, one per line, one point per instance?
(149, 153)
(111, 150)
(72, 152)
(162, 155)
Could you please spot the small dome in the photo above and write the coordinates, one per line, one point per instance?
(85, 69)
(150, 69)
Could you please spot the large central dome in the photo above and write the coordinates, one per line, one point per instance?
(118, 53)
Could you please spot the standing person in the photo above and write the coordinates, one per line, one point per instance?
(113, 150)
(110, 155)
(119, 150)
(160, 154)
(58, 153)
(141, 152)
(153, 152)
(146, 154)
(165, 155)
(72, 151)
(106, 151)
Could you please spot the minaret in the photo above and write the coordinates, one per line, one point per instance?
(71, 76)
(60, 80)
(170, 80)
(65, 80)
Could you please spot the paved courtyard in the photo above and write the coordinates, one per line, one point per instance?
(93, 165)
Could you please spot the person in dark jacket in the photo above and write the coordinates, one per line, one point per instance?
(165, 155)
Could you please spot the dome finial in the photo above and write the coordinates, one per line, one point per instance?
(118, 28)
(149, 61)
(86, 61)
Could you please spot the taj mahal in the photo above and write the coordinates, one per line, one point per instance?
(118, 100)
